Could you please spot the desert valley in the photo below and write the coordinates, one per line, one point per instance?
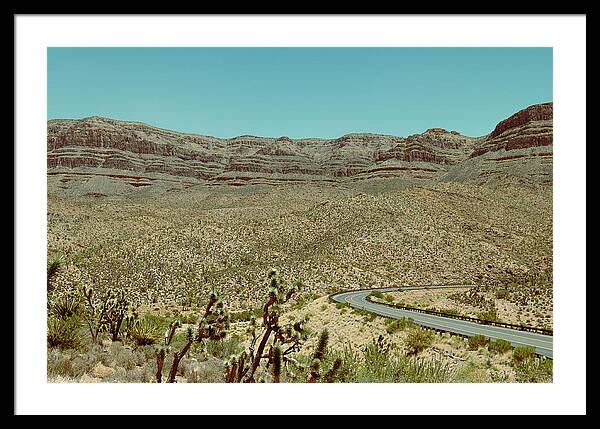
(273, 226)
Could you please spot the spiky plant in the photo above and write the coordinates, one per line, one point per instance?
(63, 333)
(321, 344)
(212, 325)
(314, 373)
(276, 363)
(330, 376)
(142, 331)
(289, 336)
(66, 305)
(106, 312)
(54, 265)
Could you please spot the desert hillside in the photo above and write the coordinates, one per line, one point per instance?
(101, 156)
(170, 247)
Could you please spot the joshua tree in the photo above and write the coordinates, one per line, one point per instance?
(286, 338)
(106, 312)
(212, 325)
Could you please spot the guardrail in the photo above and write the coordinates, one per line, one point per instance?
(466, 318)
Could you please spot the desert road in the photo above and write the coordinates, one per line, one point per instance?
(357, 299)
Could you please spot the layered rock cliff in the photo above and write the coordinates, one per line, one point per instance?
(519, 146)
(130, 155)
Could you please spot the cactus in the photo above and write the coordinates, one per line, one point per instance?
(119, 310)
(286, 340)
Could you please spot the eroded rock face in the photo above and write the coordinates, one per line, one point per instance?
(140, 155)
(520, 146)
(530, 127)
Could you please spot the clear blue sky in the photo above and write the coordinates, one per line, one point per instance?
(299, 92)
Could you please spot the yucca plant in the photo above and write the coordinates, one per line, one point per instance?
(66, 305)
(54, 265)
(143, 331)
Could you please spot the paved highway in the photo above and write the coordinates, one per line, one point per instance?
(357, 299)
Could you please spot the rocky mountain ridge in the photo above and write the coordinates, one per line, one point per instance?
(105, 156)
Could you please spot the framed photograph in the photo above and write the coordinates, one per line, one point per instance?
(368, 217)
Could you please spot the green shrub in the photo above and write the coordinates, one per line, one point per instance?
(188, 319)
(377, 361)
(369, 317)
(381, 362)
(452, 311)
(489, 315)
(471, 371)
(521, 354)
(241, 316)
(179, 340)
(499, 346)
(398, 325)
(534, 371)
(341, 305)
(123, 356)
(477, 341)
(377, 294)
(246, 315)
(68, 364)
(415, 370)
(502, 293)
(64, 333)
(223, 349)
(418, 340)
